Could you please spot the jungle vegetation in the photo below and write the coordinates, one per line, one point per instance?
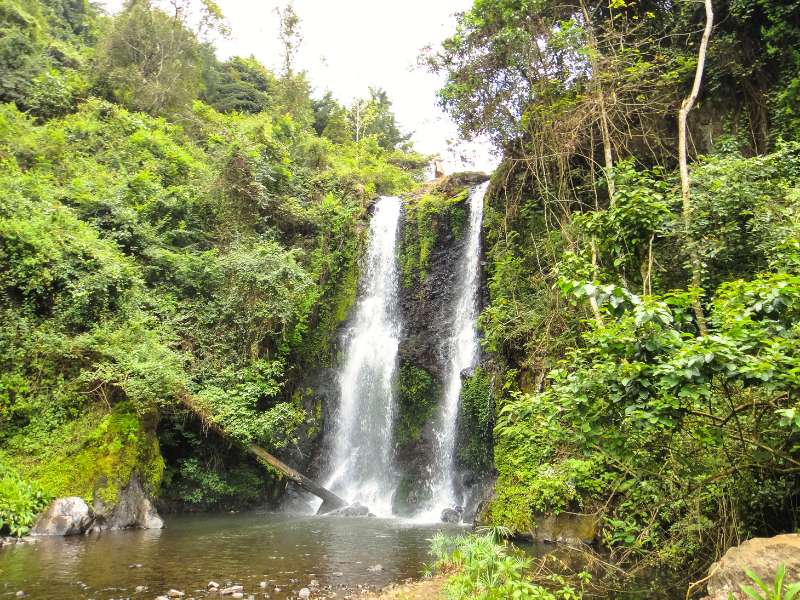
(176, 226)
(172, 227)
(643, 325)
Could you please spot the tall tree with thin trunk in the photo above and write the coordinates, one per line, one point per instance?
(687, 105)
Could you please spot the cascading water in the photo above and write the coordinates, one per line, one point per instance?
(462, 351)
(361, 458)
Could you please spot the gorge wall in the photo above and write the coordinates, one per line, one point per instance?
(433, 243)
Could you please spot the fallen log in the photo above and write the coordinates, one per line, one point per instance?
(330, 501)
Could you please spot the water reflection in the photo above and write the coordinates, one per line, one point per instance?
(245, 549)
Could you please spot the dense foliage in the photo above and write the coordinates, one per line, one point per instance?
(485, 568)
(173, 231)
(613, 399)
(178, 231)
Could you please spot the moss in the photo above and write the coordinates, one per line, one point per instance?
(418, 394)
(458, 213)
(475, 422)
(425, 218)
(510, 508)
(103, 451)
(338, 297)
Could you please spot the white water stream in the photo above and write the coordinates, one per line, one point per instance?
(462, 351)
(361, 466)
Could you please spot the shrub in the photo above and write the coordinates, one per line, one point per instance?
(485, 569)
(20, 502)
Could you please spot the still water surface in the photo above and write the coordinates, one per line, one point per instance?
(245, 549)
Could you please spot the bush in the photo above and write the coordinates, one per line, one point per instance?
(20, 502)
(486, 569)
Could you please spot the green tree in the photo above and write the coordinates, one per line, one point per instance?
(373, 116)
(240, 84)
(149, 60)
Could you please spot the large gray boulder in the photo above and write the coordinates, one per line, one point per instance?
(133, 509)
(452, 515)
(565, 528)
(64, 516)
(760, 555)
(353, 510)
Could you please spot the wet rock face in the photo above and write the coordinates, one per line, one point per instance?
(426, 306)
(428, 288)
(64, 516)
(133, 510)
(430, 248)
(433, 239)
(452, 515)
(760, 555)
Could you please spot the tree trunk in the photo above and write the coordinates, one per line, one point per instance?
(605, 133)
(683, 114)
(330, 501)
(607, 153)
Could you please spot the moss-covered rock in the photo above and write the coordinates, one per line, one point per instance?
(99, 456)
(417, 397)
(431, 247)
(429, 219)
(475, 422)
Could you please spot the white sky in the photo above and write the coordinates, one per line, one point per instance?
(349, 45)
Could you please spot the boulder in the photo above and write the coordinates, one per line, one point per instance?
(565, 528)
(64, 516)
(762, 556)
(452, 515)
(132, 509)
(452, 184)
(354, 510)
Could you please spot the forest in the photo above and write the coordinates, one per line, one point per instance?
(181, 240)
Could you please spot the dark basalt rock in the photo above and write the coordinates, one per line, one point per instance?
(426, 304)
(452, 515)
(453, 184)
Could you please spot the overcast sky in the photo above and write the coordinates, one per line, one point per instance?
(349, 45)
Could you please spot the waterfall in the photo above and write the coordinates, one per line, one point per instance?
(462, 351)
(361, 457)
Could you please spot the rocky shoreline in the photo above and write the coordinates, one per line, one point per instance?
(424, 589)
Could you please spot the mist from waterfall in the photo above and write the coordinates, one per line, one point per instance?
(462, 351)
(361, 465)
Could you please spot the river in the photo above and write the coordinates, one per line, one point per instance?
(287, 552)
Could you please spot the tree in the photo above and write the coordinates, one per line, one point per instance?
(240, 84)
(330, 119)
(683, 115)
(291, 38)
(294, 90)
(294, 98)
(384, 124)
(149, 60)
(374, 116)
(22, 44)
(562, 85)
